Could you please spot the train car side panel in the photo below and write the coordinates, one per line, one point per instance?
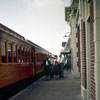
(11, 73)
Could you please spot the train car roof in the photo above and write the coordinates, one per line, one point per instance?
(39, 47)
(14, 34)
(11, 32)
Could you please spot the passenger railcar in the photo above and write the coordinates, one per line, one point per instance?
(19, 58)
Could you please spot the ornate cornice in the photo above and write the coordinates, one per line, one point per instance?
(70, 13)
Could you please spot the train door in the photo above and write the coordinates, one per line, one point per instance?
(33, 60)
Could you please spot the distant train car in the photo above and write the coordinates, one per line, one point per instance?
(19, 58)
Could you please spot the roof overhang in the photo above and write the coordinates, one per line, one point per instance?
(65, 52)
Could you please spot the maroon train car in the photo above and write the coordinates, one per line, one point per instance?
(19, 58)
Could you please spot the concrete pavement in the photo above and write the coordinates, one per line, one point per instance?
(67, 88)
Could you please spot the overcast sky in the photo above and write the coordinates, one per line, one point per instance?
(41, 21)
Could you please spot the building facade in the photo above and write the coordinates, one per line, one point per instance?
(70, 14)
(83, 17)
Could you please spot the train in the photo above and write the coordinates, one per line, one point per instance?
(20, 58)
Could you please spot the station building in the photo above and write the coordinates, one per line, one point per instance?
(83, 16)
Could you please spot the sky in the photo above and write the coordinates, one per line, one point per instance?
(41, 21)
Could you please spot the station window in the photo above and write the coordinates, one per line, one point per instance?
(19, 57)
(3, 51)
(9, 53)
(14, 52)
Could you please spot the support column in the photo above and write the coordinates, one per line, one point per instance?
(75, 70)
(83, 50)
(97, 46)
(87, 15)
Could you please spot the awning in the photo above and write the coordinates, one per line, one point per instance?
(65, 52)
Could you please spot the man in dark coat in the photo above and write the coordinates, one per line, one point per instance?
(46, 64)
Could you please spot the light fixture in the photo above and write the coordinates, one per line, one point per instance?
(66, 34)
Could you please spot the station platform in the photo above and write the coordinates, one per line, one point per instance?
(67, 88)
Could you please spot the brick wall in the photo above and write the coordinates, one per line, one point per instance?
(84, 73)
(92, 51)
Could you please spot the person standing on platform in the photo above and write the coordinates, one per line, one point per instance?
(56, 68)
(46, 64)
(61, 64)
(52, 67)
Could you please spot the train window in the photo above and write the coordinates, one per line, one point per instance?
(14, 53)
(3, 51)
(31, 56)
(28, 56)
(25, 55)
(19, 57)
(9, 53)
(22, 55)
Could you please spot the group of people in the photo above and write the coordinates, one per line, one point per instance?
(54, 66)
